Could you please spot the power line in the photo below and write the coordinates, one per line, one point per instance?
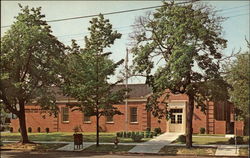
(110, 13)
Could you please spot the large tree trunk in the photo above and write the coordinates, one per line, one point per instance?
(22, 123)
(189, 129)
(97, 130)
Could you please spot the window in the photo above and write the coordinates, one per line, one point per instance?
(179, 119)
(133, 114)
(86, 119)
(172, 118)
(176, 110)
(65, 114)
(109, 119)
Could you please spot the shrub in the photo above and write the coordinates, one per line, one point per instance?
(157, 130)
(117, 134)
(47, 130)
(155, 133)
(202, 130)
(125, 134)
(136, 138)
(239, 140)
(129, 134)
(132, 134)
(182, 139)
(148, 129)
(11, 129)
(142, 133)
(137, 133)
(29, 129)
(38, 129)
(151, 134)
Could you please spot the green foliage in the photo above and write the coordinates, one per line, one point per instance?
(47, 130)
(137, 137)
(187, 40)
(182, 139)
(202, 130)
(31, 60)
(190, 56)
(88, 72)
(11, 129)
(29, 129)
(157, 130)
(239, 140)
(237, 75)
(38, 129)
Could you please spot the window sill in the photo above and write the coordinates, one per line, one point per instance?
(134, 123)
(66, 122)
(110, 122)
(87, 122)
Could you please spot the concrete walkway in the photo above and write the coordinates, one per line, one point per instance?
(227, 150)
(154, 145)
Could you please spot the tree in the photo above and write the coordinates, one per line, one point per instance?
(89, 70)
(30, 60)
(187, 40)
(237, 75)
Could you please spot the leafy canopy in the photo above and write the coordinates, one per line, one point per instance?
(89, 69)
(30, 61)
(187, 40)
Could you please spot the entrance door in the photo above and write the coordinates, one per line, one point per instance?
(176, 121)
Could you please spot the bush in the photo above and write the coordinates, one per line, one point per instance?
(148, 129)
(142, 133)
(125, 134)
(132, 134)
(239, 140)
(11, 129)
(47, 130)
(136, 138)
(38, 129)
(157, 130)
(29, 129)
(118, 134)
(151, 134)
(202, 130)
(129, 134)
(182, 139)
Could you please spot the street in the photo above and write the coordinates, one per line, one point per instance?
(30, 154)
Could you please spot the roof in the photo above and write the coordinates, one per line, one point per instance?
(135, 91)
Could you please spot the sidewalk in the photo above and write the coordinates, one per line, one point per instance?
(155, 145)
(227, 150)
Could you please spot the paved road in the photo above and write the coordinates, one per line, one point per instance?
(28, 154)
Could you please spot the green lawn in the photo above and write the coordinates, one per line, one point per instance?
(108, 148)
(33, 147)
(211, 140)
(67, 136)
(172, 150)
(206, 140)
(244, 151)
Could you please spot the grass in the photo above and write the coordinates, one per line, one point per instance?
(171, 150)
(33, 147)
(214, 135)
(206, 140)
(108, 148)
(67, 136)
(244, 151)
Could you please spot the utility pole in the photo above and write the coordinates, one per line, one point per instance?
(235, 132)
(126, 86)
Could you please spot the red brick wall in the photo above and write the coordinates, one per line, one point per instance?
(36, 120)
(220, 127)
(239, 127)
(199, 120)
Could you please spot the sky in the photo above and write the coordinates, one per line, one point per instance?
(235, 28)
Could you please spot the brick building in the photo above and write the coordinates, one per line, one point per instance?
(219, 118)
